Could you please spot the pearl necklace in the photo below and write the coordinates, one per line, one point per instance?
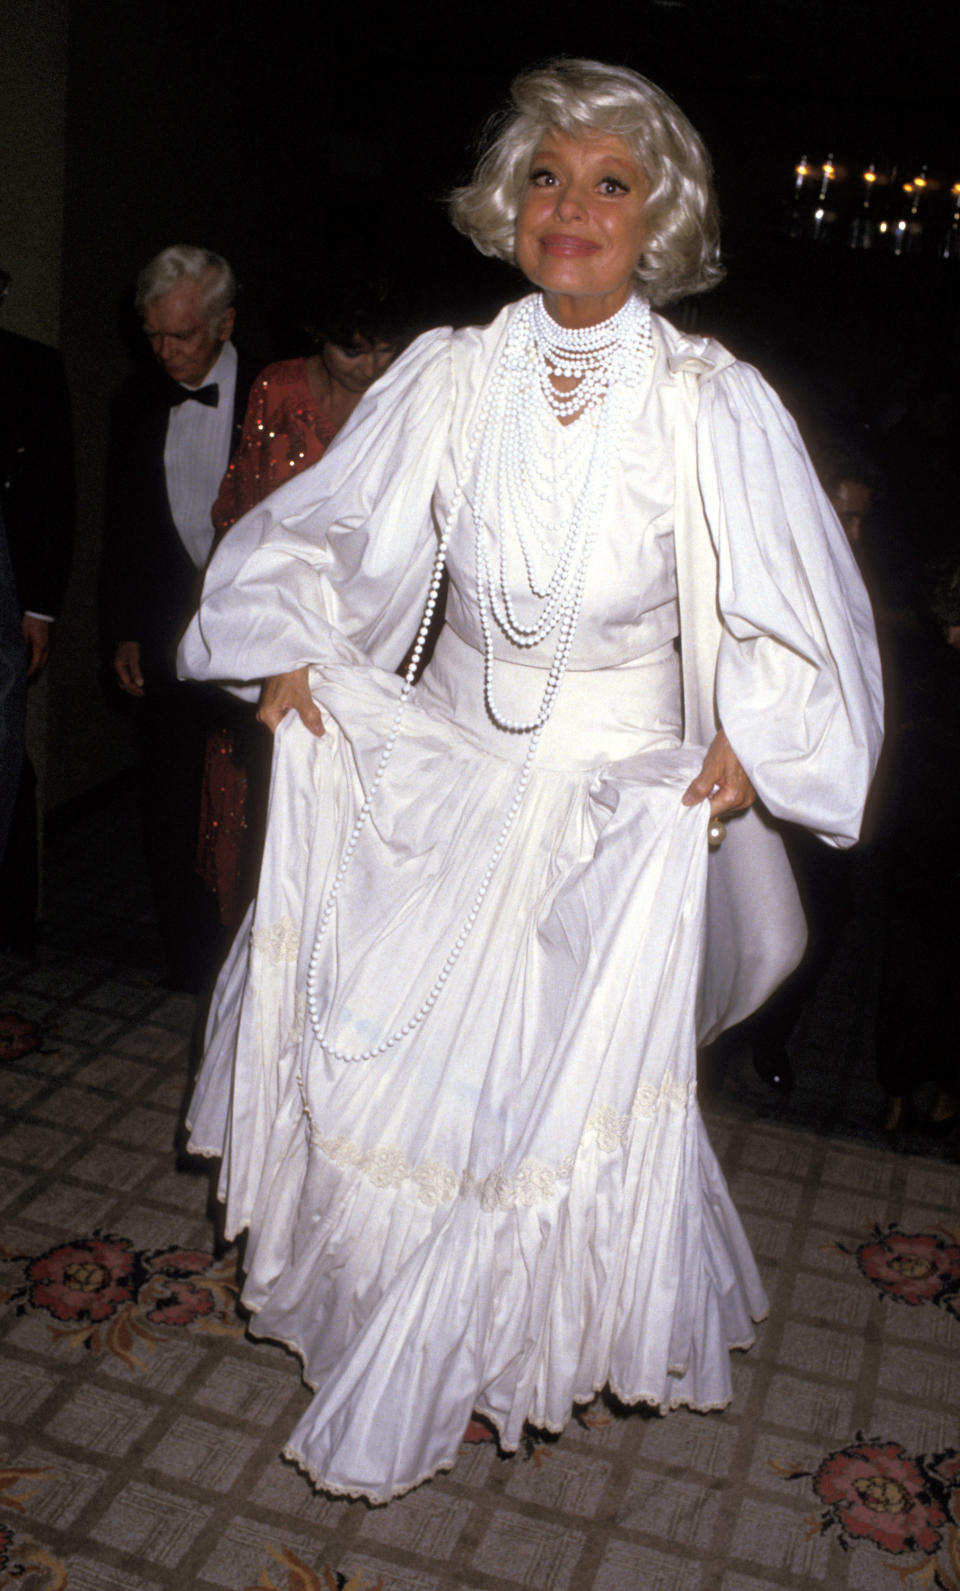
(604, 360)
(614, 352)
(601, 359)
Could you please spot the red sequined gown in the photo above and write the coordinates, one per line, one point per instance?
(284, 432)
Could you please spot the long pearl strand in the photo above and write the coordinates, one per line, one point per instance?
(536, 348)
(605, 359)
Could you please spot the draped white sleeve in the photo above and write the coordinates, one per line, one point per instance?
(343, 552)
(798, 686)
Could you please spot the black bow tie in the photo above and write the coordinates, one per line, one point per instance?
(210, 395)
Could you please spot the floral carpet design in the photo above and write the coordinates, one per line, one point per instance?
(875, 1491)
(537, 1445)
(19, 1036)
(912, 1267)
(22, 1562)
(104, 1295)
(147, 1427)
(300, 1577)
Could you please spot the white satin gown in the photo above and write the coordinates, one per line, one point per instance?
(516, 1204)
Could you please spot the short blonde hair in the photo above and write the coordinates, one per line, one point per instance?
(583, 98)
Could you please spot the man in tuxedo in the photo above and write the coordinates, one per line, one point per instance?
(175, 426)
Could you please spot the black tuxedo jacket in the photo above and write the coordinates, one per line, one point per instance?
(151, 587)
(37, 492)
(13, 691)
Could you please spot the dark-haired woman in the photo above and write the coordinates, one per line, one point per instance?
(296, 408)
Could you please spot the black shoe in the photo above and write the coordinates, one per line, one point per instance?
(773, 1068)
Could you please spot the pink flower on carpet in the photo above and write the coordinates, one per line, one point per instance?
(945, 1466)
(179, 1261)
(182, 1302)
(18, 1036)
(107, 1296)
(478, 1431)
(86, 1280)
(876, 1492)
(912, 1267)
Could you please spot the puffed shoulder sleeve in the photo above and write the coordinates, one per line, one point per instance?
(798, 686)
(341, 552)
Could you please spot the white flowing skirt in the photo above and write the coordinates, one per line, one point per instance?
(516, 1204)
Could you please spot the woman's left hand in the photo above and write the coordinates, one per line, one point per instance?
(281, 692)
(722, 779)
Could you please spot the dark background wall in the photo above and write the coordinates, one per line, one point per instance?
(274, 134)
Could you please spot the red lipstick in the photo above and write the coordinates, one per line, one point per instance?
(559, 243)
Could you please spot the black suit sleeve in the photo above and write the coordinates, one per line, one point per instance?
(13, 691)
(36, 470)
(142, 554)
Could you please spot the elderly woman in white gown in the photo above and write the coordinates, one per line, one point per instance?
(450, 1062)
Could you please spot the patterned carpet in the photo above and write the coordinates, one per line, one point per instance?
(140, 1429)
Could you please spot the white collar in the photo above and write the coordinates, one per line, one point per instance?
(221, 371)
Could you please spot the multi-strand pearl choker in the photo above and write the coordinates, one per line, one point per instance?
(516, 494)
(598, 357)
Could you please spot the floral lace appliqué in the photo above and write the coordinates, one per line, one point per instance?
(534, 1181)
(388, 1167)
(648, 1101)
(279, 942)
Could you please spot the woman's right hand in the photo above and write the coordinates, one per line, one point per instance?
(283, 691)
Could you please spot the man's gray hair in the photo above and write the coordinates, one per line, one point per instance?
(166, 269)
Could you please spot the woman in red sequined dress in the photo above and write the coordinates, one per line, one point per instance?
(296, 408)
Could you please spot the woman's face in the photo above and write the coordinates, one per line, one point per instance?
(580, 230)
(356, 365)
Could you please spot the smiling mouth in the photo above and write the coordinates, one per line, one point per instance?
(560, 244)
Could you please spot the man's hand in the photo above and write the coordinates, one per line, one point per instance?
(126, 666)
(722, 779)
(280, 693)
(36, 634)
